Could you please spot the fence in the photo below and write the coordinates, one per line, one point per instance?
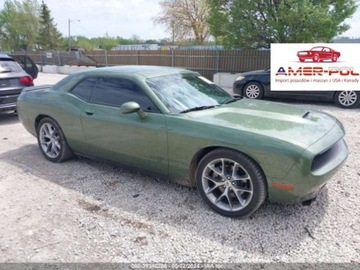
(207, 62)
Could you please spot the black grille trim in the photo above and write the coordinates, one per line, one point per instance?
(323, 158)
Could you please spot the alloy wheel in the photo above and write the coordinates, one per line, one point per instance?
(227, 184)
(347, 98)
(50, 140)
(252, 91)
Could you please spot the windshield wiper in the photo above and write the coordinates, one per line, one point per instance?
(232, 100)
(198, 108)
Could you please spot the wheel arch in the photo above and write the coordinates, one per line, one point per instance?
(203, 152)
(252, 81)
(41, 117)
(66, 152)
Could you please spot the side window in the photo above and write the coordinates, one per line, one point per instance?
(116, 91)
(84, 88)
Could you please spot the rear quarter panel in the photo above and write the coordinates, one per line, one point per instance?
(65, 109)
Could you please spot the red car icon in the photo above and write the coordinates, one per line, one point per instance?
(319, 53)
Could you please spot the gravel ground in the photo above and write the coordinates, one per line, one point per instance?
(86, 211)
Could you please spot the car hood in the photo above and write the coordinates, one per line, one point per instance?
(254, 72)
(294, 124)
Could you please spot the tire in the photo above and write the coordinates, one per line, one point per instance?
(334, 58)
(302, 60)
(217, 186)
(253, 90)
(52, 142)
(347, 99)
(316, 58)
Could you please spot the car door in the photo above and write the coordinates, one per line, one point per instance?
(125, 138)
(326, 53)
(27, 64)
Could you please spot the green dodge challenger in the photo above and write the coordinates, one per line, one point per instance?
(176, 123)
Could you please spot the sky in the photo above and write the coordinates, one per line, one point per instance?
(124, 18)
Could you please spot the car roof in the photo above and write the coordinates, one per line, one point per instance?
(131, 70)
(320, 47)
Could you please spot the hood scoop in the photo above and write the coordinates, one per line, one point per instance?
(306, 115)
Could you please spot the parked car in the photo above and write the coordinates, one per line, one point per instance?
(318, 53)
(174, 122)
(256, 85)
(12, 80)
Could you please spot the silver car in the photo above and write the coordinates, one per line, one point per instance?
(12, 80)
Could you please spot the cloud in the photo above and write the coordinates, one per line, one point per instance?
(115, 17)
(354, 22)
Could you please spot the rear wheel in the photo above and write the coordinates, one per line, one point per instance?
(347, 99)
(334, 58)
(52, 142)
(254, 90)
(230, 183)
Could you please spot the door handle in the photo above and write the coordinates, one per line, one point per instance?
(89, 112)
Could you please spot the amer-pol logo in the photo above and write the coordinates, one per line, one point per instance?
(317, 69)
(318, 53)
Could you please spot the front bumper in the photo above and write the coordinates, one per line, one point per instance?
(238, 87)
(308, 177)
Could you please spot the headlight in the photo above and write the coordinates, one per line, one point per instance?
(239, 78)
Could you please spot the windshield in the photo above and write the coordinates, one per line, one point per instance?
(183, 92)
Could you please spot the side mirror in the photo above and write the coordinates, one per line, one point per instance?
(132, 107)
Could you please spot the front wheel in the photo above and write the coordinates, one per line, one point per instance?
(230, 183)
(52, 142)
(347, 99)
(316, 58)
(253, 90)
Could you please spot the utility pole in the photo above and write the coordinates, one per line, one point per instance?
(69, 33)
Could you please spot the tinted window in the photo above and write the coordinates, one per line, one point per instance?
(115, 92)
(83, 89)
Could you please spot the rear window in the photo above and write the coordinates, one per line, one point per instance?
(9, 65)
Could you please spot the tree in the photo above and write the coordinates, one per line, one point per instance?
(185, 19)
(83, 42)
(258, 23)
(49, 36)
(106, 42)
(19, 24)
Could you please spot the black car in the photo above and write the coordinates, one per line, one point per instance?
(256, 85)
(12, 80)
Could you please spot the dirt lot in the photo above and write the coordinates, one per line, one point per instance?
(86, 211)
